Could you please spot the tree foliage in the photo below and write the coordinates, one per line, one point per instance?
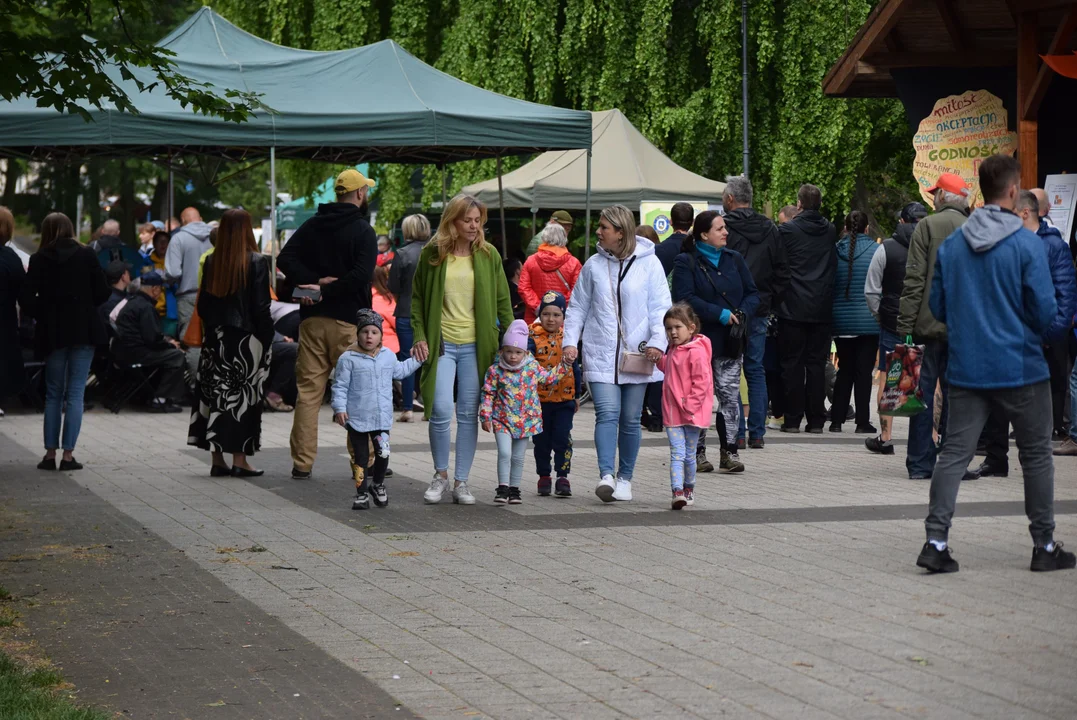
(67, 54)
(672, 66)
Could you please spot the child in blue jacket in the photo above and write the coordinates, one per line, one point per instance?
(363, 404)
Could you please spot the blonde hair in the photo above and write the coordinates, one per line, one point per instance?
(445, 239)
(555, 235)
(621, 218)
(415, 227)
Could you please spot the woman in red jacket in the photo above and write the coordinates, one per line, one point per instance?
(551, 268)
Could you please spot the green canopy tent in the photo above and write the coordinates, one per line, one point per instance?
(375, 103)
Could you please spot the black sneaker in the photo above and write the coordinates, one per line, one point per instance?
(935, 560)
(501, 495)
(876, 445)
(388, 472)
(756, 443)
(380, 497)
(986, 469)
(868, 429)
(816, 430)
(47, 464)
(1057, 559)
(544, 485)
(71, 464)
(167, 406)
(790, 428)
(361, 502)
(562, 488)
(298, 474)
(514, 496)
(834, 427)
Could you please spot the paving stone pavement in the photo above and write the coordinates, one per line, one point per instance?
(789, 591)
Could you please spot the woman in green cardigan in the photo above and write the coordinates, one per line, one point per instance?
(459, 297)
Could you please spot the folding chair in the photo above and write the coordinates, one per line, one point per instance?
(129, 380)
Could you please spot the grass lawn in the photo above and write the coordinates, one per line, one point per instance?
(33, 693)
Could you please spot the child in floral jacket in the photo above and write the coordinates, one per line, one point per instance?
(510, 407)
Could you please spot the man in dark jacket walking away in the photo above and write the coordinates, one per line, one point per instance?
(334, 255)
(882, 290)
(139, 340)
(681, 216)
(915, 319)
(757, 239)
(805, 312)
(992, 287)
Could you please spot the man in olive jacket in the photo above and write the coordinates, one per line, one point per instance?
(951, 210)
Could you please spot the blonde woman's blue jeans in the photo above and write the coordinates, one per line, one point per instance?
(457, 367)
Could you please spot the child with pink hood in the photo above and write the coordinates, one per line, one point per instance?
(687, 397)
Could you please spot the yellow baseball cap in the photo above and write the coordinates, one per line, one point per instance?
(351, 180)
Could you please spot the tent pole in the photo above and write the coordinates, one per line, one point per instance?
(171, 193)
(534, 222)
(587, 221)
(501, 208)
(444, 201)
(272, 216)
(744, 77)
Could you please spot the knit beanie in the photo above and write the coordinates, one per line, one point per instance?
(516, 336)
(366, 317)
(554, 298)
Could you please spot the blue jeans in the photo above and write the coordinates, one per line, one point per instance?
(510, 459)
(1073, 402)
(922, 452)
(887, 342)
(66, 371)
(756, 376)
(617, 413)
(682, 458)
(457, 366)
(407, 338)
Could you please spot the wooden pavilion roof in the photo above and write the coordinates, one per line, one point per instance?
(946, 33)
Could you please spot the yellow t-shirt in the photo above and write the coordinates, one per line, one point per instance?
(458, 304)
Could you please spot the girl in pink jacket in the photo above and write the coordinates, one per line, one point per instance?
(687, 397)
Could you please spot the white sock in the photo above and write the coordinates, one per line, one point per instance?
(940, 545)
(1049, 547)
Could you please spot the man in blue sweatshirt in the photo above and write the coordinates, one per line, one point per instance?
(992, 287)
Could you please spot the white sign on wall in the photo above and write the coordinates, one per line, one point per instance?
(1062, 192)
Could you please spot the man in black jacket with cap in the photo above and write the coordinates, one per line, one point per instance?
(139, 340)
(332, 254)
(805, 311)
(756, 237)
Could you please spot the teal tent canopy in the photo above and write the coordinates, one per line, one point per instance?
(376, 103)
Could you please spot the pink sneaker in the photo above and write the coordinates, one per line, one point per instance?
(679, 500)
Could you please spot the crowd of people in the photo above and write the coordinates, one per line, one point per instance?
(732, 317)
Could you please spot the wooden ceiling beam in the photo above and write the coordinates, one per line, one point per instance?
(879, 24)
(953, 25)
(973, 58)
(1059, 43)
(1031, 6)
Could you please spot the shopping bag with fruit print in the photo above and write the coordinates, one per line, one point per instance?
(902, 396)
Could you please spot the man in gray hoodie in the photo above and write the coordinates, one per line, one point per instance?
(181, 263)
(181, 266)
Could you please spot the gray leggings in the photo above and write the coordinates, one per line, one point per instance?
(727, 388)
(510, 459)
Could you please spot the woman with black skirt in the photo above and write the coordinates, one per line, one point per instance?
(237, 327)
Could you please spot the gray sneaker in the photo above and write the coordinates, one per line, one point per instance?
(729, 464)
(462, 496)
(1067, 448)
(437, 488)
(703, 465)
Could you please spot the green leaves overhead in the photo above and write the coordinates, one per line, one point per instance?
(672, 66)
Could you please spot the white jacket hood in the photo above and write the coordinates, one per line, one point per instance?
(593, 312)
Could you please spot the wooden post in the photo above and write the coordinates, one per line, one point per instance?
(1028, 61)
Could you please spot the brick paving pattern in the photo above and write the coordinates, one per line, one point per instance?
(788, 591)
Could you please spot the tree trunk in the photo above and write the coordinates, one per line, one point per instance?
(862, 202)
(11, 179)
(127, 204)
(93, 193)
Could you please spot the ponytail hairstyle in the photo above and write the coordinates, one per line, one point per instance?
(856, 223)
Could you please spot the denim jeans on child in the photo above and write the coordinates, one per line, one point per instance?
(407, 337)
(617, 413)
(556, 438)
(682, 456)
(457, 366)
(66, 371)
(510, 458)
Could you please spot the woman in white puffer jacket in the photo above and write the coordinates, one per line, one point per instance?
(617, 307)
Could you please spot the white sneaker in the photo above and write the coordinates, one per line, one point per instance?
(406, 417)
(606, 487)
(623, 491)
(462, 496)
(437, 488)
